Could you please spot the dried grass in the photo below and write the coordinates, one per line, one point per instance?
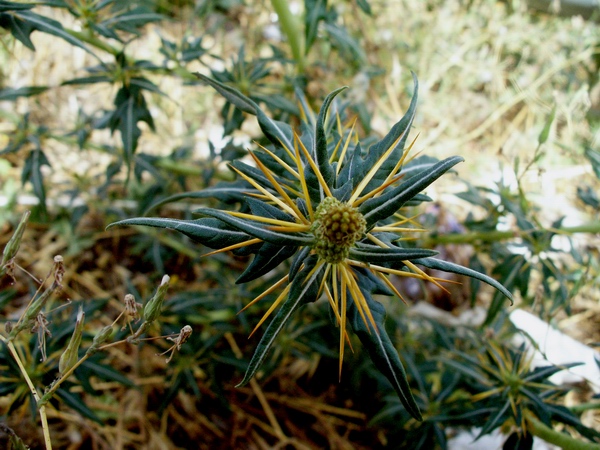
(488, 81)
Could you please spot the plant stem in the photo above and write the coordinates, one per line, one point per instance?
(93, 40)
(289, 26)
(577, 409)
(495, 236)
(564, 441)
(34, 392)
(179, 168)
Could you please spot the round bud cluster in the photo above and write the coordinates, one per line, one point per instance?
(336, 228)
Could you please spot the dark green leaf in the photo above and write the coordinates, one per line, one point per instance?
(446, 266)
(210, 232)
(88, 80)
(269, 257)
(145, 84)
(594, 157)
(13, 94)
(467, 370)
(378, 255)
(53, 27)
(589, 196)
(383, 353)
(365, 6)
(226, 192)
(132, 20)
(398, 134)
(106, 372)
(278, 133)
(496, 420)
(232, 95)
(277, 102)
(297, 262)
(379, 208)
(315, 12)
(257, 229)
(320, 153)
(19, 28)
(539, 374)
(304, 289)
(32, 172)
(345, 44)
(75, 402)
(131, 108)
(260, 208)
(14, 6)
(562, 414)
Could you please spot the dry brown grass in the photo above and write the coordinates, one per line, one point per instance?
(488, 81)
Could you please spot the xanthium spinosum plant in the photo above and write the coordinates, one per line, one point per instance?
(319, 200)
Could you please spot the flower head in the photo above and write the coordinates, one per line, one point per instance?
(334, 210)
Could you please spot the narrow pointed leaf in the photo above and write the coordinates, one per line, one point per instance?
(321, 154)
(540, 373)
(496, 420)
(32, 172)
(232, 95)
(316, 11)
(76, 402)
(53, 27)
(226, 192)
(446, 266)
(382, 207)
(564, 415)
(302, 291)
(27, 91)
(269, 257)
(297, 262)
(383, 353)
(378, 255)
(400, 130)
(257, 229)
(20, 29)
(133, 19)
(14, 6)
(210, 232)
(263, 209)
(278, 133)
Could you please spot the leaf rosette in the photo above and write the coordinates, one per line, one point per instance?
(319, 200)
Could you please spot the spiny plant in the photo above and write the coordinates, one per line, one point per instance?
(333, 209)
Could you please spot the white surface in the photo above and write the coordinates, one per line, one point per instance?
(558, 348)
(465, 440)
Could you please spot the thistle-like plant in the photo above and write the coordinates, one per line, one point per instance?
(331, 208)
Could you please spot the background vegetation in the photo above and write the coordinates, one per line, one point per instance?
(102, 119)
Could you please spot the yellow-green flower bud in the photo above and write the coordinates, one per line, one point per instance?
(32, 312)
(70, 355)
(12, 247)
(337, 227)
(101, 337)
(154, 305)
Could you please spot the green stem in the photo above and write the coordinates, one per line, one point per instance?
(289, 26)
(495, 236)
(32, 389)
(578, 409)
(562, 440)
(93, 41)
(179, 168)
(592, 227)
